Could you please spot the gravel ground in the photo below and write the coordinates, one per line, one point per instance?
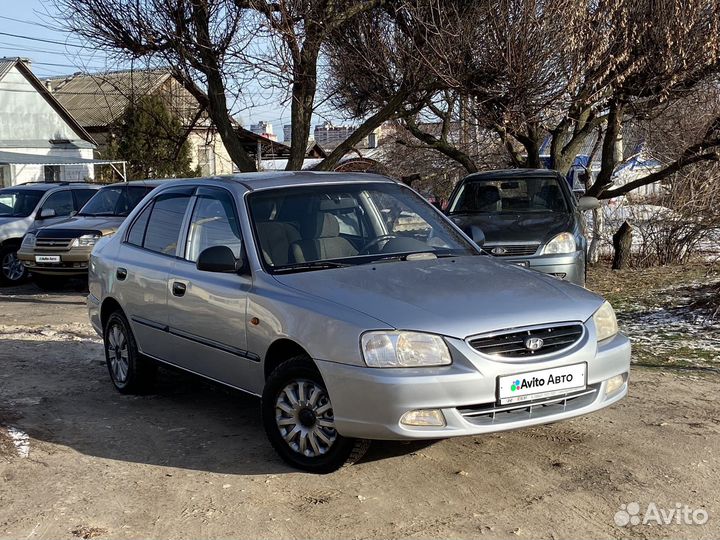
(78, 460)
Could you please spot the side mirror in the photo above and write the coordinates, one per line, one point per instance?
(477, 234)
(588, 203)
(73, 213)
(438, 205)
(46, 213)
(218, 259)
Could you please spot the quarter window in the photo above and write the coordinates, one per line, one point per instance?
(136, 235)
(213, 223)
(165, 222)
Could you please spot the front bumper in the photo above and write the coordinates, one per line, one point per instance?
(369, 402)
(72, 262)
(569, 267)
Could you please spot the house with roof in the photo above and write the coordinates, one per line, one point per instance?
(98, 101)
(39, 138)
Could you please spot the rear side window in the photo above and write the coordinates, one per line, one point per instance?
(163, 227)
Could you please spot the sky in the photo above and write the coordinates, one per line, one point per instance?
(28, 28)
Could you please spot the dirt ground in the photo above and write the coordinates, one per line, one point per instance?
(78, 460)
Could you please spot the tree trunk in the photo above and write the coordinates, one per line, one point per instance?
(301, 108)
(597, 230)
(608, 160)
(622, 243)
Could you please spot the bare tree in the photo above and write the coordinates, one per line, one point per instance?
(217, 47)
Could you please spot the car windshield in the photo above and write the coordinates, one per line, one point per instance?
(307, 227)
(114, 201)
(19, 203)
(532, 194)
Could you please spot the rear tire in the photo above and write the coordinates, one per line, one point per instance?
(298, 419)
(130, 372)
(12, 271)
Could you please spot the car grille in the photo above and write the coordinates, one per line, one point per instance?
(514, 344)
(512, 250)
(492, 413)
(53, 244)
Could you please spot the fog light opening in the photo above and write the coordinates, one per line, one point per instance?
(423, 417)
(615, 383)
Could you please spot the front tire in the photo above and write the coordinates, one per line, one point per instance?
(12, 271)
(298, 419)
(129, 371)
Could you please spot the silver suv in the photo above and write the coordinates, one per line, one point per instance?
(354, 308)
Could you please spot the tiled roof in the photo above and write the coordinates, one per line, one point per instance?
(98, 100)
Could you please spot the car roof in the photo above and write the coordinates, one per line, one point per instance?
(147, 182)
(46, 186)
(511, 173)
(280, 179)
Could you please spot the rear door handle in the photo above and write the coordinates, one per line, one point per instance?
(178, 289)
(121, 273)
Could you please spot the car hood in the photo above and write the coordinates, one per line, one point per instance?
(13, 227)
(522, 227)
(453, 297)
(77, 226)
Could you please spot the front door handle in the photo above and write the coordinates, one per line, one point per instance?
(178, 289)
(121, 274)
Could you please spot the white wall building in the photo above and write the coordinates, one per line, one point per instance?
(39, 139)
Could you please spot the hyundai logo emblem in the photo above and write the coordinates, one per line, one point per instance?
(534, 343)
(498, 251)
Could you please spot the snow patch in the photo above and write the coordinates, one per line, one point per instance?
(21, 440)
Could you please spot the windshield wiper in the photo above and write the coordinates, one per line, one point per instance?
(312, 265)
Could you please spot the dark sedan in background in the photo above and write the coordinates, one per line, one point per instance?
(527, 217)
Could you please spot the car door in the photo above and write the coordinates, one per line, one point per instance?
(207, 310)
(144, 262)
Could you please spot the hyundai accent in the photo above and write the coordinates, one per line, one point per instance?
(352, 307)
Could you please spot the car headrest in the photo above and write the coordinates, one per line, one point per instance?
(319, 225)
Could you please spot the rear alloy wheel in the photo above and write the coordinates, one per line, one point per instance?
(299, 421)
(12, 270)
(129, 371)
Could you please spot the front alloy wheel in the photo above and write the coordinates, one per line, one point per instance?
(12, 270)
(299, 421)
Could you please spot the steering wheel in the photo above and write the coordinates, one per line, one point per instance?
(375, 241)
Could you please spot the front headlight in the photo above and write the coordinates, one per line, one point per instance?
(86, 240)
(28, 240)
(404, 349)
(605, 322)
(562, 243)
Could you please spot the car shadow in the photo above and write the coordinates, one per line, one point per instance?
(59, 392)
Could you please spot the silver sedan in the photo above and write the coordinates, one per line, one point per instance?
(352, 307)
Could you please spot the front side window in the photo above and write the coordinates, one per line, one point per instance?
(165, 221)
(213, 223)
(539, 194)
(61, 202)
(349, 224)
(18, 203)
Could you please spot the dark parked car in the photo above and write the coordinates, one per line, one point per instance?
(527, 217)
